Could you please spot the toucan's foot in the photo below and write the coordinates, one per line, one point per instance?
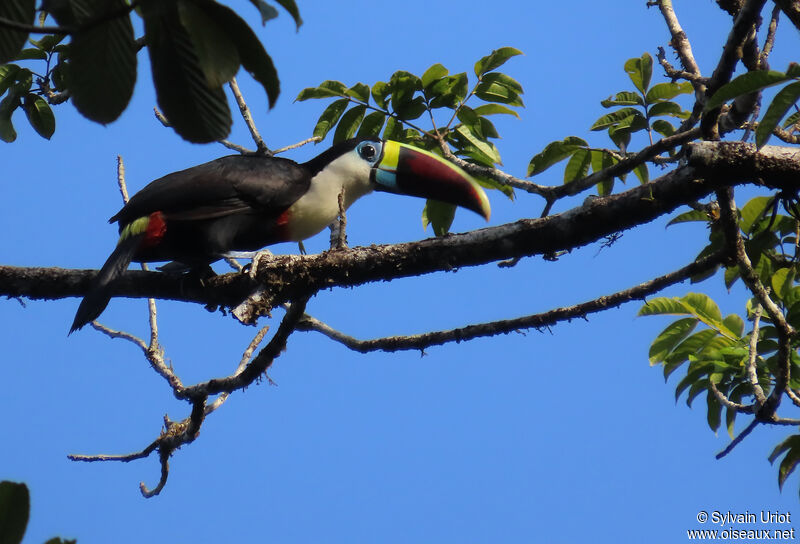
(251, 268)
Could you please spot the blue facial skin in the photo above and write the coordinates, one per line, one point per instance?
(372, 152)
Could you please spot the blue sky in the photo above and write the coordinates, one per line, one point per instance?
(557, 436)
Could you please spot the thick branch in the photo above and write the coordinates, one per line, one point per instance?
(711, 165)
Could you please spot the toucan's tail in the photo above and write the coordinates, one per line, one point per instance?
(97, 298)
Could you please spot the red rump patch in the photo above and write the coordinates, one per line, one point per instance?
(156, 227)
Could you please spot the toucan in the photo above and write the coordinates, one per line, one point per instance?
(246, 202)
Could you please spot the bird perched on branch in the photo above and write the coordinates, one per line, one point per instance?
(243, 203)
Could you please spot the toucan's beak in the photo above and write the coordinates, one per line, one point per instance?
(407, 170)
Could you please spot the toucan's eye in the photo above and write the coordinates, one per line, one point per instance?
(369, 151)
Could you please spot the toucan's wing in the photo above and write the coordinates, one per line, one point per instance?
(225, 186)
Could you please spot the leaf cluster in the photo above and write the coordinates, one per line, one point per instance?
(719, 352)
(392, 110)
(755, 81)
(642, 109)
(195, 46)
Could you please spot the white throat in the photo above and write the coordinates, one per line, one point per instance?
(319, 207)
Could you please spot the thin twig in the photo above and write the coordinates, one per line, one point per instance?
(725, 401)
(493, 328)
(112, 333)
(227, 143)
(735, 442)
(248, 118)
(314, 139)
(246, 356)
(769, 42)
(728, 215)
(679, 42)
(122, 458)
(752, 375)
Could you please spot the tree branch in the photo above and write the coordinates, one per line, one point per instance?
(505, 326)
(711, 165)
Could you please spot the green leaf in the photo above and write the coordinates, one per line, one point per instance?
(669, 338)
(624, 98)
(448, 92)
(640, 70)
(408, 111)
(215, 51)
(393, 130)
(330, 117)
(782, 281)
(349, 123)
(600, 161)
(48, 42)
(578, 165)
(614, 118)
(435, 72)
(663, 127)
(12, 41)
(632, 123)
(470, 119)
(326, 89)
(438, 214)
(372, 124)
(267, 12)
(31, 54)
(360, 92)
(663, 306)
(15, 504)
(753, 212)
(485, 148)
(39, 114)
(504, 80)
(790, 446)
(494, 109)
(102, 67)
(291, 7)
(749, 82)
(642, 173)
(784, 99)
(667, 91)
(792, 119)
(487, 128)
(714, 414)
(694, 379)
(380, 92)
(691, 215)
(667, 108)
(693, 345)
(497, 87)
(8, 75)
(198, 113)
(734, 323)
(703, 307)
(495, 59)
(404, 85)
(253, 57)
(7, 107)
(621, 138)
(555, 152)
